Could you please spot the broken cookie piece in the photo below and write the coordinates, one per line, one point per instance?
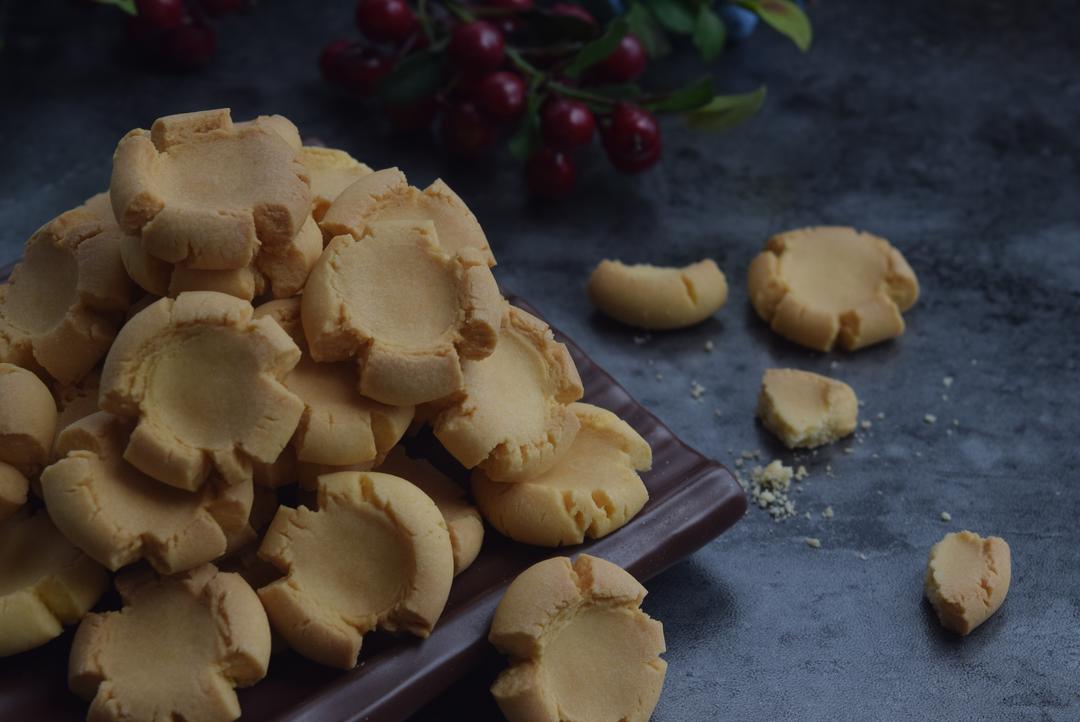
(117, 514)
(830, 285)
(580, 646)
(967, 578)
(407, 311)
(657, 298)
(591, 491)
(175, 651)
(805, 409)
(376, 554)
(204, 381)
(331, 171)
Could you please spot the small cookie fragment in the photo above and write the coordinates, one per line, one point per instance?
(386, 195)
(805, 409)
(592, 491)
(62, 305)
(203, 379)
(376, 554)
(829, 285)
(513, 418)
(658, 298)
(117, 514)
(580, 647)
(204, 192)
(967, 578)
(175, 651)
(331, 171)
(462, 519)
(27, 420)
(407, 311)
(45, 583)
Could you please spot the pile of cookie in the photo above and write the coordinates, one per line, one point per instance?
(240, 314)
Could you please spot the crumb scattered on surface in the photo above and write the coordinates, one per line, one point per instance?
(946, 516)
(918, 454)
(801, 473)
(828, 513)
(834, 365)
(849, 449)
(930, 419)
(659, 376)
(696, 390)
(709, 345)
(717, 412)
(944, 397)
(865, 424)
(768, 487)
(813, 542)
(956, 422)
(947, 381)
(639, 340)
(862, 555)
(881, 414)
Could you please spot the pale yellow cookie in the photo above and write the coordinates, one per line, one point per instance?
(287, 269)
(408, 312)
(655, 297)
(118, 515)
(967, 578)
(805, 409)
(175, 651)
(376, 554)
(76, 401)
(204, 192)
(462, 519)
(593, 490)
(45, 583)
(331, 171)
(13, 490)
(27, 419)
(387, 196)
(245, 537)
(63, 304)
(339, 427)
(512, 420)
(203, 378)
(831, 285)
(580, 647)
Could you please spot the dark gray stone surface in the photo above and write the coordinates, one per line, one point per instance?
(948, 126)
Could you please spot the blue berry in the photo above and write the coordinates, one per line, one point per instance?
(739, 21)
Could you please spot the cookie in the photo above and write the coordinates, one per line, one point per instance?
(203, 380)
(76, 401)
(27, 420)
(45, 583)
(175, 651)
(967, 578)
(14, 487)
(339, 426)
(580, 647)
(387, 196)
(287, 269)
(805, 409)
(831, 285)
(593, 490)
(118, 515)
(63, 304)
(658, 298)
(331, 171)
(512, 420)
(207, 193)
(462, 519)
(376, 554)
(408, 312)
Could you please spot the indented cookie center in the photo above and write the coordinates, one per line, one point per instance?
(228, 173)
(47, 288)
(331, 385)
(200, 386)
(833, 272)
(505, 376)
(400, 294)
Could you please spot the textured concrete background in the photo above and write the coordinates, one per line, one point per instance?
(948, 126)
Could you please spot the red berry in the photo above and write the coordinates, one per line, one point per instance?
(414, 116)
(566, 123)
(624, 64)
(518, 6)
(360, 69)
(574, 11)
(330, 59)
(217, 8)
(631, 138)
(501, 95)
(190, 46)
(161, 13)
(477, 46)
(385, 21)
(465, 130)
(550, 173)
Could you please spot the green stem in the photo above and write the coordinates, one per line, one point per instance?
(460, 12)
(425, 20)
(573, 92)
(525, 66)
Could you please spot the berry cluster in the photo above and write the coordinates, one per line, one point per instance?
(178, 33)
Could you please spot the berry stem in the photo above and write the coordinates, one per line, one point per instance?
(572, 92)
(425, 20)
(459, 12)
(524, 65)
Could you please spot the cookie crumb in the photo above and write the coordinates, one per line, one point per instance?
(813, 542)
(717, 412)
(828, 513)
(862, 555)
(801, 473)
(946, 516)
(930, 419)
(659, 376)
(696, 390)
(881, 414)
(709, 345)
(849, 450)
(947, 381)
(956, 422)
(641, 340)
(865, 424)
(834, 365)
(769, 486)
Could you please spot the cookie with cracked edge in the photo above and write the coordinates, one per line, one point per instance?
(655, 297)
(27, 420)
(967, 579)
(331, 171)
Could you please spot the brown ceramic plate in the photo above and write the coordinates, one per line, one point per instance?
(692, 500)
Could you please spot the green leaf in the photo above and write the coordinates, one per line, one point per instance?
(673, 15)
(786, 18)
(709, 34)
(127, 6)
(692, 97)
(643, 25)
(416, 77)
(726, 111)
(598, 49)
(522, 143)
